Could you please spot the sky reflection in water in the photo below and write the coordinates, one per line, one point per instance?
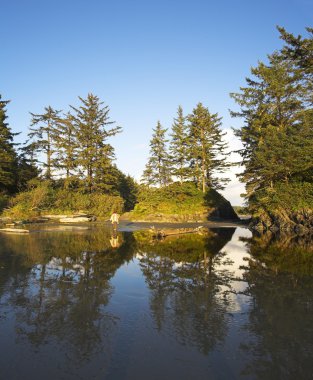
(223, 305)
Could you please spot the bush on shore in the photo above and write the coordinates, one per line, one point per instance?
(43, 198)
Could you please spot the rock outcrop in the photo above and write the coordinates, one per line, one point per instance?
(284, 220)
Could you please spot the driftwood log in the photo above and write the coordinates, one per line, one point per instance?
(162, 233)
(14, 230)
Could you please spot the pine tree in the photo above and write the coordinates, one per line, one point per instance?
(95, 154)
(207, 148)
(42, 135)
(8, 156)
(158, 168)
(179, 147)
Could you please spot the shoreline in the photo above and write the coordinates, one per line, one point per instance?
(130, 226)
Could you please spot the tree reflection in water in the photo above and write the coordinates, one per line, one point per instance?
(187, 290)
(58, 285)
(279, 277)
(56, 290)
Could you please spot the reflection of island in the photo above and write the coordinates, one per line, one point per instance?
(186, 291)
(280, 282)
(58, 285)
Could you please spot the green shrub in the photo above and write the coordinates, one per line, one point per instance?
(42, 197)
(4, 200)
(174, 199)
(292, 196)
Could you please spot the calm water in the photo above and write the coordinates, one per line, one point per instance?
(84, 304)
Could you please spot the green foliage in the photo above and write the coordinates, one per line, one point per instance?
(277, 135)
(4, 200)
(293, 196)
(128, 190)
(31, 202)
(207, 148)
(95, 155)
(197, 151)
(42, 134)
(26, 172)
(173, 199)
(180, 147)
(67, 146)
(241, 210)
(97, 204)
(75, 145)
(158, 168)
(8, 156)
(45, 197)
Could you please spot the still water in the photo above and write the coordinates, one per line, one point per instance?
(86, 304)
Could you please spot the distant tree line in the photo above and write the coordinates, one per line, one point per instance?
(195, 151)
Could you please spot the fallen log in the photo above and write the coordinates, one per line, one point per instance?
(162, 233)
(75, 220)
(55, 216)
(14, 230)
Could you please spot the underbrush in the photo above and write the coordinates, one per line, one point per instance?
(43, 199)
(288, 196)
(174, 199)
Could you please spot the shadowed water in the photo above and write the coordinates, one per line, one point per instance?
(89, 304)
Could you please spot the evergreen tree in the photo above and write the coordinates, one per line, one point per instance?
(179, 147)
(66, 147)
(128, 189)
(148, 175)
(8, 156)
(158, 168)
(207, 148)
(299, 51)
(26, 171)
(42, 133)
(95, 154)
(276, 128)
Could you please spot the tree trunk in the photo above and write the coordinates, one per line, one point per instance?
(203, 163)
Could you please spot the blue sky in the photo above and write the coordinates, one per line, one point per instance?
(142, 58)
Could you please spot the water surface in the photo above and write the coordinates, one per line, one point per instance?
(86, 304)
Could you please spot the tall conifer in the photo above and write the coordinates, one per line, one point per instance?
(179, 147)
(275, 127)
(207, 148)
(158, 168)
(95, 155)
(8, 156)
(66, 147)
(42, 135)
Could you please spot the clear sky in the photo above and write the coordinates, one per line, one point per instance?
(142, 58)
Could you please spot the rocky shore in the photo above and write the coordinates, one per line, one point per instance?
(300, 221)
